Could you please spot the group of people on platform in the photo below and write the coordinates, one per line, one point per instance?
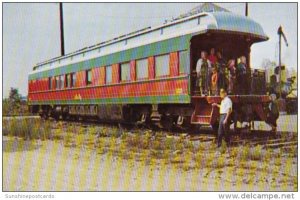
(214, 73)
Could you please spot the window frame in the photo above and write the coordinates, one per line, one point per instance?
(187, 67)
(155, 65)
(137, 69)
(72, 80)
(67, 80)
(87, 77)
(62, 81)
(110, 67)
(50, 84)
(57, 82)
(129, 71)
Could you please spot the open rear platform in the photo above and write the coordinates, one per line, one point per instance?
(234, 98)
(246, 108)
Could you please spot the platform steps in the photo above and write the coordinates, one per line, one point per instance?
(200, 119)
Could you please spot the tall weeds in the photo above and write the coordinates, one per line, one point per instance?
(27, 128)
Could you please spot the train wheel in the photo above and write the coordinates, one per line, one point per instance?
(194, 128)
(126, 126)
(167, 122)
(64, 116)
(56, 117)
(44, 116)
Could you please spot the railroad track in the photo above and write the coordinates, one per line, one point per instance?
(266, 142)
(7, 117)
(253, 138)
(264, 138)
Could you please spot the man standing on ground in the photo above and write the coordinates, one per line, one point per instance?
(225, 112)
(273, 113)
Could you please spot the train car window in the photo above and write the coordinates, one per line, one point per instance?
(162, 67)
(68, 80)
(57, 82)
(108, 74)
(50, 86)
(73, 79)
(88, 77)
(62, 81)
(142, 69)
(183, 62)
(125, 71)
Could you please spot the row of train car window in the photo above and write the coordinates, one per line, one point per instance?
(69, 80)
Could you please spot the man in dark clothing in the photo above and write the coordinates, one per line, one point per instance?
(241, 76)
(221, 65)
(273, 113)
(203, 70)
(255, 89)
(231, 74)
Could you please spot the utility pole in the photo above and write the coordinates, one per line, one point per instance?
(246, 10)
(62, 45)
(279, 59)
(280, 33)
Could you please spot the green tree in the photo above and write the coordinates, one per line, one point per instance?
(14, 96)
(12, 104)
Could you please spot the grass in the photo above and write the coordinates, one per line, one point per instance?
(139, 145)
(248, 153)
(156, 148)
(27, 128)
(144, 146)
(69, 140)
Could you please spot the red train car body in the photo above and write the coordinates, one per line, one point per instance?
(147, 76)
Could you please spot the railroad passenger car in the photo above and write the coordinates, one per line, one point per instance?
(147, 76)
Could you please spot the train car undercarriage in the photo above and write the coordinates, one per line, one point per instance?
(161, 115)
(246, 108)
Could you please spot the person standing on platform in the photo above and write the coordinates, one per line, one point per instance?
(221, 64)
(212, 57)
(241, 76)
(231, 76)
(214, 81)
(203, 70)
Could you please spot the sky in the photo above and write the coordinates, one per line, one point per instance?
(31, 30)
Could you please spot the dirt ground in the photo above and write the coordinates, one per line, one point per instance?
(50, 165)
